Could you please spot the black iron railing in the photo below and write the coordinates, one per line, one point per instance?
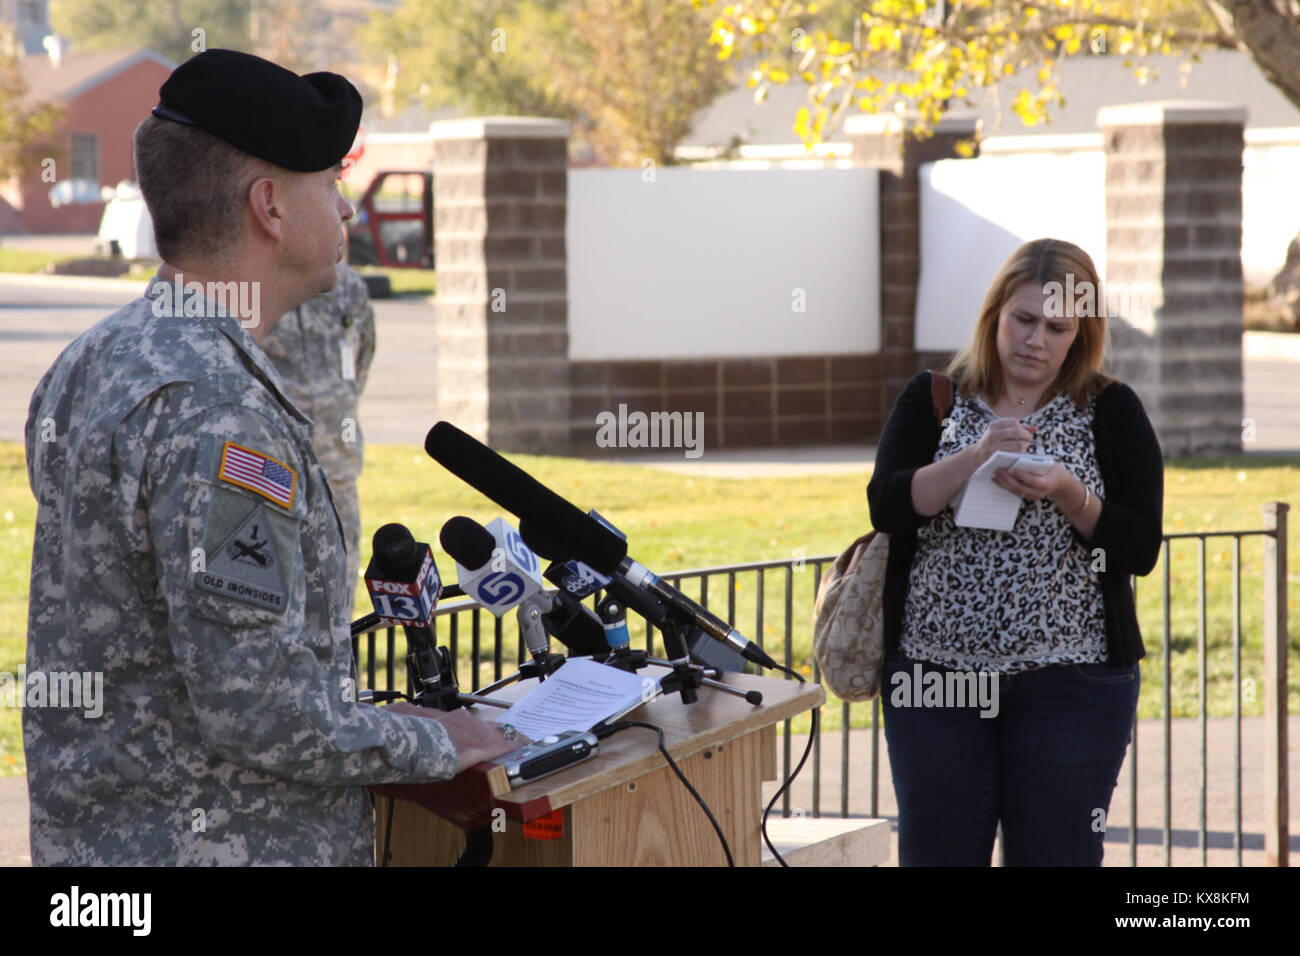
(464, 623)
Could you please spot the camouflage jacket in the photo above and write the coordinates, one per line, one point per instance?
(322, 351)
(187, 549)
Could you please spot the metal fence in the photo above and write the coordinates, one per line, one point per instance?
(781, 624)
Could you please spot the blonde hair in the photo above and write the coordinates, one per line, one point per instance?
(977, 369)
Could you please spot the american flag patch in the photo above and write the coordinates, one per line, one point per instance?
(257, 472)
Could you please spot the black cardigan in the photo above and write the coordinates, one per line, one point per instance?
(1129, 529)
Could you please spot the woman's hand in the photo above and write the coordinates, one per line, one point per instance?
(1004, 434)
(1057, 483)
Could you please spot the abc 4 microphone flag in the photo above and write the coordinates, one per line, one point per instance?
(512, 575)
(581, 579)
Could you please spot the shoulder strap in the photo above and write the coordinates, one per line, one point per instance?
(940, 396)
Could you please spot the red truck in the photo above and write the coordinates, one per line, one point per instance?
(393, 225)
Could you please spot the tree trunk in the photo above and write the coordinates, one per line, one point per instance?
(1269, 31)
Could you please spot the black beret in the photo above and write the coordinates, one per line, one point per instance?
(303, 123)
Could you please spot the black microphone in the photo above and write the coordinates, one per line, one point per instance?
(560, 520)
(643, 580)
(467, 541)
(523, 495)
(639, 576)
(404, 588)
(575, 625)
(402, 578)
(573, 577)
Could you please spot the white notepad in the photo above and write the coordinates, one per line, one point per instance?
(982, 504)
(578, 696)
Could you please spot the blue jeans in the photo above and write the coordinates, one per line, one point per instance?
(1045, 765)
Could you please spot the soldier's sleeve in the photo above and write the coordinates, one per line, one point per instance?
(33, 428)
(363, 314)
(268, 681)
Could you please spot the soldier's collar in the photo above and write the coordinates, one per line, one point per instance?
(231, 309)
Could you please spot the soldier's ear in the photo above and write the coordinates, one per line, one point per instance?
(266, 206)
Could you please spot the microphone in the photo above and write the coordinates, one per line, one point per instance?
(524, 496)
(639, 576)
(645, 581)
(493, 564)
(571, 576)
(402, 578)
(575, 625)
(615, 620)
(580, 535)
(403, 584)
(563, 616)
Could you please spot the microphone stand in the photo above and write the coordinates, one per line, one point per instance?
(687, 676)
(709, 678)
(437, 685)
(532, 629)
(433, 674)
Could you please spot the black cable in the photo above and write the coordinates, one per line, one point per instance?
(795, 674)
(478, 843)
(623, 725)
(478, 848)
(388, 830)
(812, 735)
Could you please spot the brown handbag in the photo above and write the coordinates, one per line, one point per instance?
(848, 616)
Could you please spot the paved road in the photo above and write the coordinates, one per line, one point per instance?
(39, 316)
(36, 322)
(1272, 395)
(1184, 792)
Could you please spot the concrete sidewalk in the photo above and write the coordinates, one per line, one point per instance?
(1185, 794)
(14, 848)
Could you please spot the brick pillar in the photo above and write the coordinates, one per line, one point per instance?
(882, 142)
(1173, 257)
(500, 195)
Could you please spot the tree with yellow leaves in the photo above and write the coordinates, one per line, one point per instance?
(926, 55)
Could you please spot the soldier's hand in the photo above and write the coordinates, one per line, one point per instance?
(466, 800)
(476, 739)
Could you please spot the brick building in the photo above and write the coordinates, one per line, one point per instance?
(104, 93)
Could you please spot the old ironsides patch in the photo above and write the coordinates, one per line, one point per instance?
(246, 566)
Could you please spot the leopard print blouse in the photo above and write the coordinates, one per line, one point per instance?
(1009, 601)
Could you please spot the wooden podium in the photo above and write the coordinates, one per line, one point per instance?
(625, 806)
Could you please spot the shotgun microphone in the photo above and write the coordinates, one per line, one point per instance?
(524, 496)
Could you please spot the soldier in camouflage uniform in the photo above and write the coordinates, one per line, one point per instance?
(322, 352)
(186, 546)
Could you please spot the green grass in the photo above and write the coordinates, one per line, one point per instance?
(677, 521)
(17, 521)
(35, 261)
(28, 260)
(406, 281)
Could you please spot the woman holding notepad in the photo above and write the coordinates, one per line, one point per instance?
(1011, 677)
